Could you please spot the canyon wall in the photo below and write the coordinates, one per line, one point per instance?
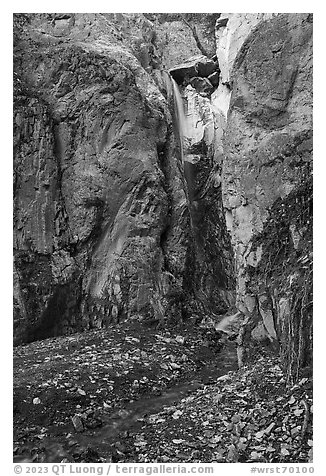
(267, 181)
(112, 221)
(102, 227)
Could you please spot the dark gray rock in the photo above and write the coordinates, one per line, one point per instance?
(214, 79)
(221, 22)
(202, 85)
(185, 71)
(206, 66)
(110, 224)
(196, 66)
(90, 199)
(102, 227)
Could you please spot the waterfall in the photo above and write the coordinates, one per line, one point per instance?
(181, 130)
(180, 116)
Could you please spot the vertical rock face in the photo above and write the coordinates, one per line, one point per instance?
(178, 36)
(111, 223)
(213, 274)
(101, 219)
(231, 31)
(267, 174)
(89, 122)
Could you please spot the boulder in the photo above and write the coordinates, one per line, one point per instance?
(197, 66)
(221, 22)
(202, 85)
(183, 72)
(206, 67)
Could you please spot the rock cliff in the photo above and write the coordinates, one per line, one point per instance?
(118, 214)
(267, 174)
(101, 222)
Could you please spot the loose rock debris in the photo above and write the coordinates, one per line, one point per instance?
(111, 396)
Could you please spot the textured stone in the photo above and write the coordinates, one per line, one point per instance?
(179, 36)
(198, 67)
(265, 127)
(206, 67)
(111, 223)
(284, 309)
(266, 312)
(267, 174)
(259, 333)
(90, 203)
(211, 274)
(202, 85)
(214, 79)
(78, 423)
(232, 31)
(102, 224)
(185, 71)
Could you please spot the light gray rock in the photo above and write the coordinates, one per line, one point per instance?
(267, 174)
(264, 129)
(78, 423)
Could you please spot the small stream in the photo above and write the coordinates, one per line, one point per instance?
(130, 417)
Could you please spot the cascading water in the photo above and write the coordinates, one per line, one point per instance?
(180, 116)
(195, 134)
(181, 130)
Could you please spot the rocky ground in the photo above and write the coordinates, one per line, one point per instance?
(135, 395)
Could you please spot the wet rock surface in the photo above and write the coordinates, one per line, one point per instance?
(94, 189)
(162, 397)
(202, 85)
